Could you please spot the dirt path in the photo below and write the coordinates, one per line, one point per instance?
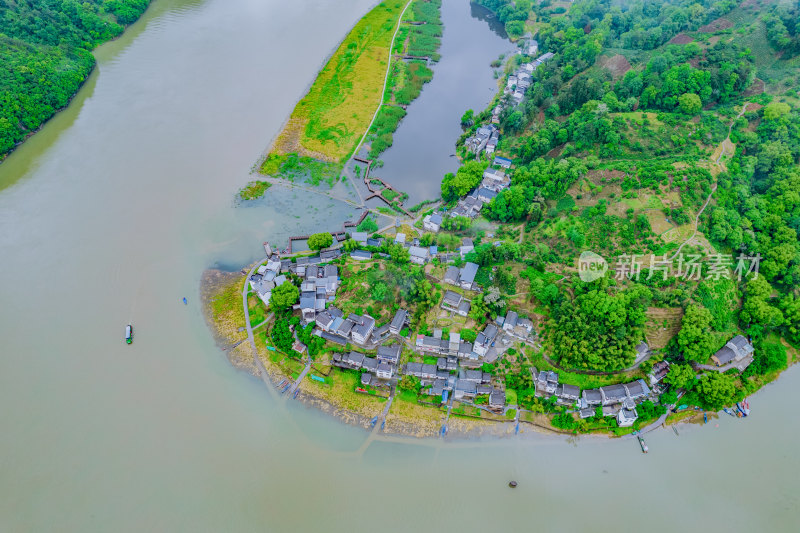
(723, 146)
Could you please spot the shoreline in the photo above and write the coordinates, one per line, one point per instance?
(232, 341)
(93, 71)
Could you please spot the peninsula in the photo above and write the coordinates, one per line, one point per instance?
(617, 251)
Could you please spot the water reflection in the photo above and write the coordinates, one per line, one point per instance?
(481, 13)
(424, 144)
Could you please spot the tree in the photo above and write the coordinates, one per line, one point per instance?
(756, 308)
(468, 118)
(379, 291)
(716, 390)
(398, 253)
(349, 245)
(368, 224)
(694, 337)
(769, 357)
(598, 330)
(282, 336)
(466, 178)
(410, 383)
(690, 103)
(319, 241)
(283, 296)
(680, 376)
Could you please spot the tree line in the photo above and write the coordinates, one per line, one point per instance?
(45, 56)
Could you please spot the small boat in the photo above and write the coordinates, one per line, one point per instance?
(282, 383)
(129, 334)
(296, 392)
(444, 430)
(516, 429)
(728, 411)
(642, 443)
(286, 388)
(743, 407)
(512, 484)
(383, 424)
(373, 421)
(184, 301)
(676, 431)
(705, 418)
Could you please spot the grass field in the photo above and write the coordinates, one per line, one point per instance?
(329, 121)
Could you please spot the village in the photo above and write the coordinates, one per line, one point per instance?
(441, 351)
(442, 364)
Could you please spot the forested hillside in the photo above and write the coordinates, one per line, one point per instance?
(45, 56)
(658, 131)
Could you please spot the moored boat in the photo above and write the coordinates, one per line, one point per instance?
(642, 443)
(740, 406)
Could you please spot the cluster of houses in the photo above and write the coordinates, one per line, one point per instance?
(494, 180)
(463, 277)
(445, 378)
(520, 80)
(266, 278)
(618, 401)
(485, 139)
(383, 366)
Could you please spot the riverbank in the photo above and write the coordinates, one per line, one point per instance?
(328, 121)
(63, 70)
(220, 294)
(334, 120)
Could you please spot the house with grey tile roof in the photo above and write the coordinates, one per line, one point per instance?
(399, 321)
(432, 222)
(626, 417)
(497, 400)
(734, 350)
(419, 255)
(360, 237)
(362, 328)
(361, 255)
(452, 301)
(466, 276)
(465, 389)
(389, 354)
(384, 371)
(510, 321)
(451, 275)
(427, 344)
(370, 364)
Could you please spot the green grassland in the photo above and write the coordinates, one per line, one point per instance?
(328, 122)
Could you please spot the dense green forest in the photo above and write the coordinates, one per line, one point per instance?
(651, 115)
(45, 56)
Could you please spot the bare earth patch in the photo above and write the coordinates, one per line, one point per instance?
(681, 38)
(716, 25)
(617, 65)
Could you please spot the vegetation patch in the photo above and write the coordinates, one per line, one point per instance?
(254, 190)
(328, 122)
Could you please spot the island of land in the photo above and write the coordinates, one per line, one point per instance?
(45, 57)
(617, 251)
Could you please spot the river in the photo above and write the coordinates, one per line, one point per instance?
(112, 213)
(424, 146)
